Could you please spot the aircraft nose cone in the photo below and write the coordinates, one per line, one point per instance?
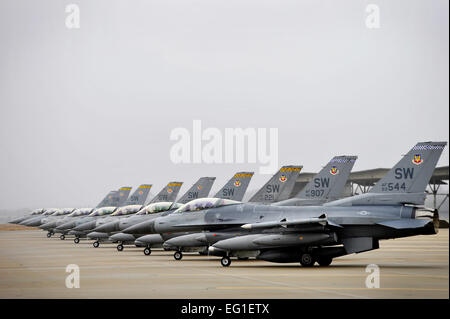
(107, 228)
(66, 226)
(24, 222)
(125, 224)
(32, 223)
(147, 227)
(18, 220)
(85, 226)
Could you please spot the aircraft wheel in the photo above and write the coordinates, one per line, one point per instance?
(178, 255)
(307, 260)
(225, 261)
(76, 240)
(324, 261)
(49, 234)
(62, 237)
(96, 244)
(120, 247)
(147, 251)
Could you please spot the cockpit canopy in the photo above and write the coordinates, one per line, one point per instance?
(49, 211)
(127, 210)
(205, 203)
(62, 211)
(80, 212)
(37, 211)
(103, 211)
(158, 207)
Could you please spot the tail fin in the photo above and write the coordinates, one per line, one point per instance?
(168, 193)
(121, 196)
(108, 200)
(279, 187)
(139, 196)
(329, 183)
(405, 183)
(199, 190)
(413, 172)
(236, 187)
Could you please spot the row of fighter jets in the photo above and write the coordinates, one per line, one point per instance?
(315, 226)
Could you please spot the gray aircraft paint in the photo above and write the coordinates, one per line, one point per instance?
(139, 196)
(168, 194)
(405, 183)
(279, 187)
(236, 187)
(200, 189)
(121, 196)
(327, 185)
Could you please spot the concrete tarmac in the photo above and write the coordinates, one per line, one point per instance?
(33, 266)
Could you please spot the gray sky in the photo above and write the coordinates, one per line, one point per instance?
(83, 111)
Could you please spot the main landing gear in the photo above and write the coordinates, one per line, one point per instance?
(120, 247)
(96, 244)
(147, 251)
(76, 240)
(49, 234)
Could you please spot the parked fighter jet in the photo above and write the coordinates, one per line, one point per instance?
(327, 185)
(86, 224)
(234, 189)
(168, 193)
(199, 190)
(33, 213)
(279, 186)
(49, 213)
(112, 200)
(103, 209)
(393, 208)
(51, 222)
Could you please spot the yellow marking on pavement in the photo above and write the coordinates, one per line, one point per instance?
(326, 288)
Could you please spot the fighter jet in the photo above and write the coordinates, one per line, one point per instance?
(50, 224)
(82, 215)
(33, 213)
(393, 208)
(168, 193)
(199, 190)
(117, 200)
(47, 216)
(82, 226)
(278, 187)
(327, 185)
(234, 189)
